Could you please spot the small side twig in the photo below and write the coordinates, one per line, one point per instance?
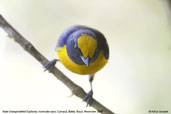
(75, 89)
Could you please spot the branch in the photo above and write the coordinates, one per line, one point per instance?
(75, 89)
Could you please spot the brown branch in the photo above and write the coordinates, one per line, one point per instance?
(75, 89)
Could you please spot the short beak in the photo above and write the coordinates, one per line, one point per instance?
(86, 60)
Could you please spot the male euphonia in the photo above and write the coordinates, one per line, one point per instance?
(82, 50)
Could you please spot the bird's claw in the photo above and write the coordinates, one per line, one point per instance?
(88, 98)
(49, 66)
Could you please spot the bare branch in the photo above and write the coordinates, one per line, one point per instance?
(75, 89)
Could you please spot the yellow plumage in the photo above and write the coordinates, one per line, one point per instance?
(87, 45)
(81, 69)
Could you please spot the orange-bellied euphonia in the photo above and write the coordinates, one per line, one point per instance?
(82, 50)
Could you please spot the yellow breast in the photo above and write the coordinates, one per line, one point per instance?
(81, 69)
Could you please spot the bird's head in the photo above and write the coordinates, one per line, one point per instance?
(83, 48)
(87, 45)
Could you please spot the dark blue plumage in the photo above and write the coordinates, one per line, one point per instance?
(75, 32)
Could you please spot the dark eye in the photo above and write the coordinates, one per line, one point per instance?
(75, 46)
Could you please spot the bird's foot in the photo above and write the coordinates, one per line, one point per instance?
(49, 66)
(88, 98)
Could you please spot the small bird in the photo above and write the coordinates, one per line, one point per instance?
(82, 50)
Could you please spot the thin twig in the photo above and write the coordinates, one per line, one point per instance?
(75, 89)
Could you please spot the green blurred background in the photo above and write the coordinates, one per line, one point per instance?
(136, 79)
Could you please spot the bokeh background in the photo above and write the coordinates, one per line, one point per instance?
(136, 79)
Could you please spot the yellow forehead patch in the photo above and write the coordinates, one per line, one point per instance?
(87, 45)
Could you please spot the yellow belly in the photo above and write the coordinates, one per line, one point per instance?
(81, 69)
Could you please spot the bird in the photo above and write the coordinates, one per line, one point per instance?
(82, 50)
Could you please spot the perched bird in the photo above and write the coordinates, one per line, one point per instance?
(82, 50)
